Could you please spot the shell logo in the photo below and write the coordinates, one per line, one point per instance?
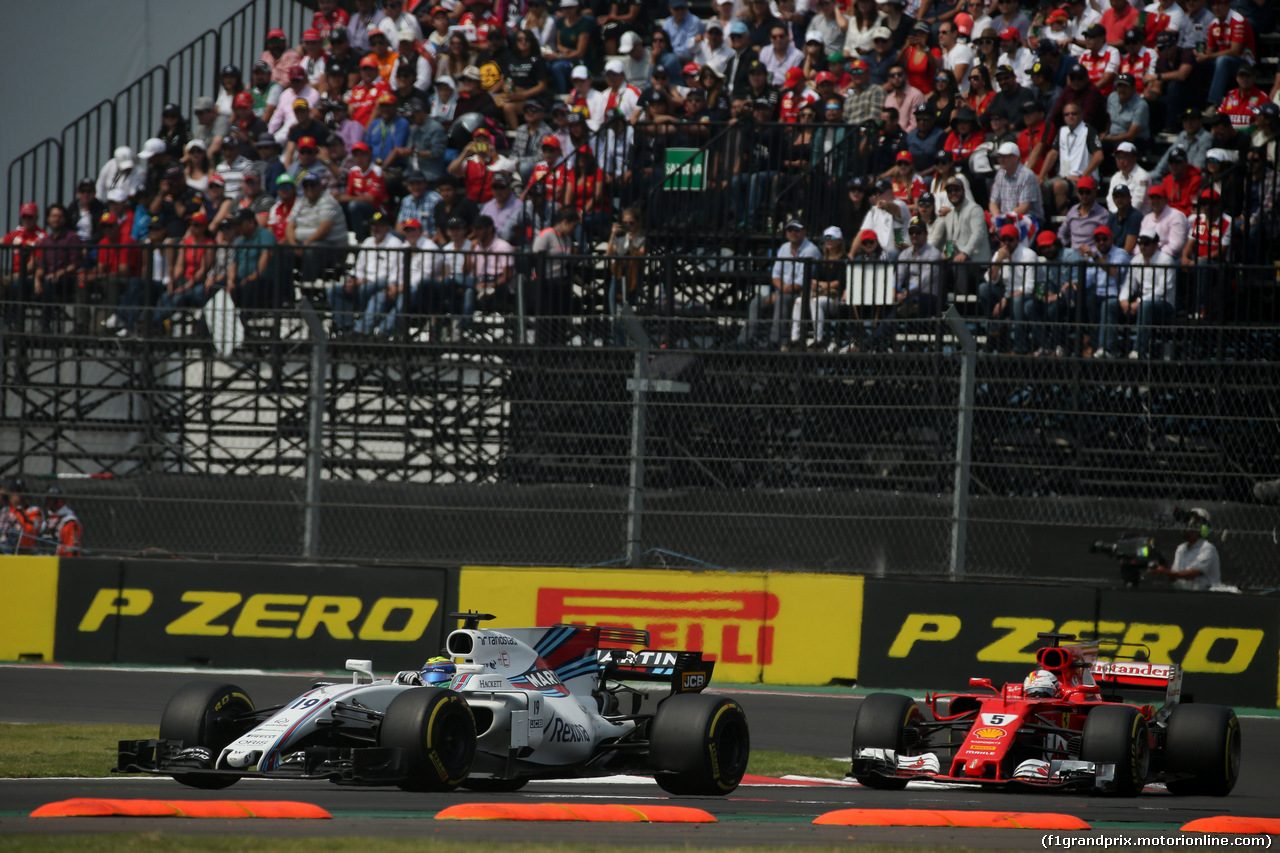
(989, 734)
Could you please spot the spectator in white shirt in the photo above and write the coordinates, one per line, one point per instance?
(1150, 290)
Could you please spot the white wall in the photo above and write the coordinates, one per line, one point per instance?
(60, 65)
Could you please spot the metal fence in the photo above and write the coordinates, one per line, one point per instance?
(655, 439)
(48, 171)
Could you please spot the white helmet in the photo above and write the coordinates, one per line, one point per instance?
(1040, 684)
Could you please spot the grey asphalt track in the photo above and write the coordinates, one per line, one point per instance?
(810, 724)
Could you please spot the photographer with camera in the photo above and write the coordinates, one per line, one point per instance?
(1195, 563)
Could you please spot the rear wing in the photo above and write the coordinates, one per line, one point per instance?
(1140, 675)
(687, 672)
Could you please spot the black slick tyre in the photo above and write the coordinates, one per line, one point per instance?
(1118, 734)
(1202, 750)
(208, 715)
(884, 721)
(437, 732)
(699, 745)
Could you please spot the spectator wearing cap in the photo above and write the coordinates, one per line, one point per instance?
(1055, 31)
(902, 96)
(286, 195)
(453, 204)
(233, 166)
(881, 143)
(962, 235)
(584, 98)
(217, 206)
(173, 131)
(120, 171)
(195, 165)
(264, 93)
(427, 143)
(1131, 175)
(1016, 191)
(782, 55)
(1032, 138)
(279, 56)
(1225, 135)
(1084, 218)
(1107, 267)
(1042, 88)
(155, 279)
(402, 86)
(1054, 63)
(1010, 95)
(1128, 114)
(253, 198)
(397, 19)
(366, 16)
(1057, 302)
(1009, 279)
(760, 20)
(342, 71)
(788, 277)
(829, 25)
(926, 140)
(230, 84)
(613, 150)
(863, 101)
(388, 141)
(269, 165)
(1100, 60)
(1137, 59)
(418, 63)
(155, 160)
(504, 209)
(174, 202)
(418, 204)
(572, 45)
(245, 129)
(1169, 82)
(684, 30)
(380, 41)
(1149, 292)
(1126, 221)
(917, 286)
(758, 89)
(964, 138)
(526, 145)
(118, 261)
(1165, 221)
(1229, 45)
(1011, 15)
(864, 18)
(1241, 103)
(362, 99)
(545, 186)
(189, 285)
(907, 183)
(1076, 152)
(1182, 184)
(758, 147)
(368, 300)
(1015, 55)
(635, 60)
(1081, 16)
(19, 242)
(304, 124)
(826, 284)
(329, 17)
(745, 56)
(308, 161)
(1208, 245)
(366, 190)
(209, 124)
(472, 98)
(317, 229)
(492, 286)
(1193, 139)
(944, 170)
(618, 94)
(314, 59)
(713, 47)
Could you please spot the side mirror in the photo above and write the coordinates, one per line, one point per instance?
(981, 682)
(358, 668)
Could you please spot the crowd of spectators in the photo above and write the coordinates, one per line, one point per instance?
(1016, 140)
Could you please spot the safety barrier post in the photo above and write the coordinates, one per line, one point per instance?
(315, 430)
(964, 437)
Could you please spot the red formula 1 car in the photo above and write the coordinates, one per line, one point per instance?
(1065, 729)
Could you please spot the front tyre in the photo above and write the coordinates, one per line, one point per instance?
(1202, 750)
(207, 715)
(885, 721)
(437, 732)
(699, 745)
(1118, 734)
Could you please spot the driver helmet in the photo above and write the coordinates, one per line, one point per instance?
(1040, 684)
(437, 670)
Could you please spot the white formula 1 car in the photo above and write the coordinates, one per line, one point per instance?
(522, 703)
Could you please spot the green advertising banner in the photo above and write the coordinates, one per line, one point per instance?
(686, 177)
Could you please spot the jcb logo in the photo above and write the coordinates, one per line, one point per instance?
(1211, 649)
(694, 680)
(276, 616)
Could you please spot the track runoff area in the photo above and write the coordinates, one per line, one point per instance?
(762, 812)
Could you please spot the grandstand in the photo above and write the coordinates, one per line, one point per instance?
(757, 416)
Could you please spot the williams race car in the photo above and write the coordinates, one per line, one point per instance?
(520, 704)
(1061, 728)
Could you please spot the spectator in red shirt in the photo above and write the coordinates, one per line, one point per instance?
(1240, 103)
(474, 164)
(329, 18)
(1228, 45)
(366, 191)
(362, 98)
(584, 192)
(1116, 20)
(117, 263)
(964, 137)
(1032, 137)
(1182, 184)
(278, 55)
(286, 195)
(26, 234)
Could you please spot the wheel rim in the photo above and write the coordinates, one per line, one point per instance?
(1233, 751)
(452, 740)
(731, 755)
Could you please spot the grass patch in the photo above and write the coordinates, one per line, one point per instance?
(766, 763)
(31, 751)
(153, 842)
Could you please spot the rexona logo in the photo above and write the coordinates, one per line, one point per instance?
(728, 626)
(562, 732)
(1208, 649)
(211, 613)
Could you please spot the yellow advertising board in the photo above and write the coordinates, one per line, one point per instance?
(28, 607)
(759, 627)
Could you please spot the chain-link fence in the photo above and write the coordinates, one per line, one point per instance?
(667, 439)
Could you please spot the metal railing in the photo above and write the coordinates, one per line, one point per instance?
(47, 173)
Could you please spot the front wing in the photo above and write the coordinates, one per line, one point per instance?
(373, 765)
(1059, 774)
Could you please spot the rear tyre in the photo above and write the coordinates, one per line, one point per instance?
(1202, 746)
(437, 732)
(699, 745)
(1118, 734)
(208, 715)
(885, 721)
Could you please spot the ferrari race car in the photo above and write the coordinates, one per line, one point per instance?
(1063, 728)
(522, 704)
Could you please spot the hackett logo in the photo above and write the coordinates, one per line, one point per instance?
(731, 627)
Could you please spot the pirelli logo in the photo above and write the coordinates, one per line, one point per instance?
(731, 627)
